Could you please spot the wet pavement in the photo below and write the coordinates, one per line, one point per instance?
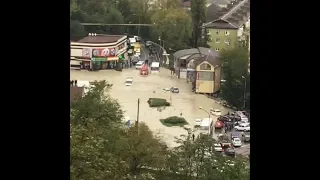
(185, 102)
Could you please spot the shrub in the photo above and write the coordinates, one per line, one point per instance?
(175, 120)
(157, 102)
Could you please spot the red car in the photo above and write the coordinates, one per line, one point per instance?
(219, 125)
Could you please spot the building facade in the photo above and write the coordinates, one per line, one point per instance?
(99, 51)
(222, 38)
(226, 24)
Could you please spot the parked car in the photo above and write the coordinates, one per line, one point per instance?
(216, 112)
(175, 90)
(218, 124)
(217, 147)
(225, 145)
(246, 137)
(166, 89)
(129, 81)
(243, 127)
(224, 118)
(139, 64)
(236, 142)
(197, 122)
(235, 135)
(230, 152)
(148, 43)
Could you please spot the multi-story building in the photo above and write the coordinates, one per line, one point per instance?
(226, 26)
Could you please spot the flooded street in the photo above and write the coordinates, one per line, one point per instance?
(185, 102)
(151, 86)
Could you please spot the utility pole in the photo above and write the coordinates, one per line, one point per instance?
(138, 112)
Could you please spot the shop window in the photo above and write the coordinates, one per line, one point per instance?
(206, 76)
(205, 66)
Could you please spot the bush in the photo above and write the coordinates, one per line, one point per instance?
(157, 102)
(175, 120)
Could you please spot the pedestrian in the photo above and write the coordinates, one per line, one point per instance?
(193, 137)
(72, 82)
(181, 114)
(228, 113)
(75, 82)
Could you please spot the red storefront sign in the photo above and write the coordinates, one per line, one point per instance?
(104, 52)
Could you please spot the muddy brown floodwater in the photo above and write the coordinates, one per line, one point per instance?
(185, 102)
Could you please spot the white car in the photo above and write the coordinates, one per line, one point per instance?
(175, 90)
(216, 112)
(128, 82)
(236, 142)
(148, 43)
(166, 89)
(243, 127)
(217, 147)
(139, 64)
(197, 122)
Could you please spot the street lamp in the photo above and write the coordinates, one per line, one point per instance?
(244, 92)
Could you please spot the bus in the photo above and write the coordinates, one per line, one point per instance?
(155, 67)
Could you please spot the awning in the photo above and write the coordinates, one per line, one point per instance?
(112, 58)
(73, 62)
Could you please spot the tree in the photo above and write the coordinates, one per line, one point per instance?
(141, 149)
(198, 160)
(101, 146)
(235, 65)
(77, 30)
(173, 25)
(198, 14)
(95, 120)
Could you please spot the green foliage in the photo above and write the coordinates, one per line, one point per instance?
(235, 65)
(173, 25)
(102, 148)
(198, 14)
(77, 30)
(174, 121)
(157, 102)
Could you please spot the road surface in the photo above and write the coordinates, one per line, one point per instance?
(185, 102)
(243, 150)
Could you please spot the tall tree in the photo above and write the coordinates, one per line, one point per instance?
(77, 30)
(198, 14)
(235, 72)
(173, 25)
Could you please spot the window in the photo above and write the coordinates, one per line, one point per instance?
(206, 76)
(217, 40)
(227, 33)
(205, 66)
(227, 41)
(218, 32)
(217, 49)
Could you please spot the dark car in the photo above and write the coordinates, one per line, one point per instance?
(230, 152)
(224, 118)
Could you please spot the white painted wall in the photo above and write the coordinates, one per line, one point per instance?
(76, 52)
